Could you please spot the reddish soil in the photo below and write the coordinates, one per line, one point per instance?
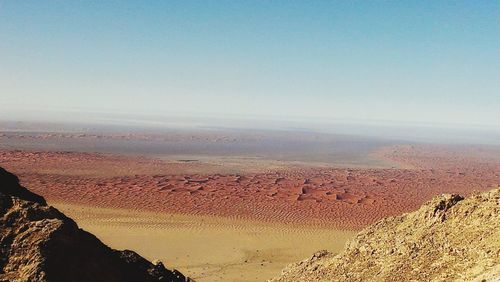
(343, 198)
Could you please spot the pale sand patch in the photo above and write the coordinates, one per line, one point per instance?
(207, 248)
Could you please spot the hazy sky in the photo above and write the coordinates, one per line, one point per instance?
(424, 61)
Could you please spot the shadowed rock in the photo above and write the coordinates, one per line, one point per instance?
(10, 186)
(39, 243)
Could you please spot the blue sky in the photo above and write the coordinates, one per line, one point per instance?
(418, 61)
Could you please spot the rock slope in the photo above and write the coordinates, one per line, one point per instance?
(448, 239)
(39, 243)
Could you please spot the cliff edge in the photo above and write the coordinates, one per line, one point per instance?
(39, 243)
(448, 239)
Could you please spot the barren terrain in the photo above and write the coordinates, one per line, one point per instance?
(209, 248)
(447, 239)
(238, 211)
(339, 197)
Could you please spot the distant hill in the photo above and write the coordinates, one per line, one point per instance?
(448, 239)
(39, 243)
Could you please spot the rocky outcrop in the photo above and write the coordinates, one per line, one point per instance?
(448, 239)
(39, 243)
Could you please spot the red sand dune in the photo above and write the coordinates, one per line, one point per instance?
(344, 198)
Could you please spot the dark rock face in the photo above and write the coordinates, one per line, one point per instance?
(9, 185)
(39, 243)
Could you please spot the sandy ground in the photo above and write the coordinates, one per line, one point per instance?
(342, 198)
(237, 217)
(207, 248)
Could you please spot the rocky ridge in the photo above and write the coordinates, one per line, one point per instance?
(448, 239)
(39, 243)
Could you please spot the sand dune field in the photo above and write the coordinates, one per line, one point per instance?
(207, 248)
(242, 217)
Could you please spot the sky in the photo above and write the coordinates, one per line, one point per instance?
(404, 61)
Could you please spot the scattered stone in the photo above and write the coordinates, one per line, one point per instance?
(448, 239)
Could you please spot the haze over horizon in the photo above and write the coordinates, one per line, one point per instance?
(427, 62)
(227, 140)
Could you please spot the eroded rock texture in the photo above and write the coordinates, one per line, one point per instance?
(448, 239)
(39, 243)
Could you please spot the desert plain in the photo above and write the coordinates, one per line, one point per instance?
(236, 205)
